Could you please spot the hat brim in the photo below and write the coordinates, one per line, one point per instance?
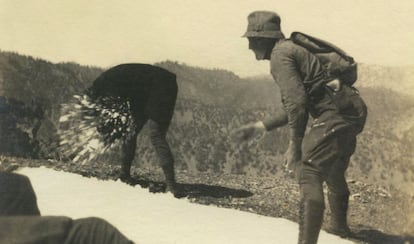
(264, 34)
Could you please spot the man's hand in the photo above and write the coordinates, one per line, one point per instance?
(246, 132)
(293, 155)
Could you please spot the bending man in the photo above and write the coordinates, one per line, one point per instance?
(151, 93)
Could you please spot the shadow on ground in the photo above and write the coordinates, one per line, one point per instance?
(372, 236)
(202, 190)
(192, 190)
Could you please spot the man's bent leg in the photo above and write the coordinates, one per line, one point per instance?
(160, 109)
(320, 154)
(338, 192)
(128, 154)
(128, 151)
(157, 135)
(338, 197)
(311, 205)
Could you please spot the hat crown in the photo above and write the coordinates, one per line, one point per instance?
(263, 24)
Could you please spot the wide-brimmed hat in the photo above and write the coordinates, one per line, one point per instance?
(264, 24)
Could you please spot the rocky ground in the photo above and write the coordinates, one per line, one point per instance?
(376, 215)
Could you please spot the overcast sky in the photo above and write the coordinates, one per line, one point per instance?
(199, 32)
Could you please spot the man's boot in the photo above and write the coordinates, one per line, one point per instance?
(125, 175)
(170, 183)
(128, 154)
(339, 209)
(310, 221)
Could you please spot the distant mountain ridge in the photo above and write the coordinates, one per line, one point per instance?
(396, 78)
(399, 79)
(222, 87)
(210, 104)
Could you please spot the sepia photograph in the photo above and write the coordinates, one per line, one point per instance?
(208, 122)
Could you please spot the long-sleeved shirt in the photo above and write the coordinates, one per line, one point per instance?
(301, 79)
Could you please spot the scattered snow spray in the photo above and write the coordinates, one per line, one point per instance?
(89, 128)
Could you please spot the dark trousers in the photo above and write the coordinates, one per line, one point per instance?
(326, 158)
(155, 109)
(331, 142)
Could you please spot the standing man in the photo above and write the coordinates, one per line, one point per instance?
(338, 116)
(150, 93)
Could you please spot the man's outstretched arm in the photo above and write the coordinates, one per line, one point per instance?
(285, 72)
(247, 131)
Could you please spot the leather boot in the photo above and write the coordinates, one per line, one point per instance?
(125, 175)
(310, 221)
(170, 184)
(129, 147)
(128, 154)
(339, 209)
(127, 158)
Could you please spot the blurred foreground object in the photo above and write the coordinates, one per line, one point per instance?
(20, 220)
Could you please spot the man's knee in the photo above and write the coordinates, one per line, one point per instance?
(158, 131)
(338, 188)
(310, 174)
(311, 184)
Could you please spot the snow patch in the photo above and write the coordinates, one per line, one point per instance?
(150, 218)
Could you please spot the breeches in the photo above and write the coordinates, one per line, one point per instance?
(157, 108)
(326, 158)
(155, 103)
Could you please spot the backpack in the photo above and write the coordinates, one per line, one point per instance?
(337, 63)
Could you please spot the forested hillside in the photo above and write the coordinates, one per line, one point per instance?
(211, 103)
(399, 79)
(31, 91)
(222, 88)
